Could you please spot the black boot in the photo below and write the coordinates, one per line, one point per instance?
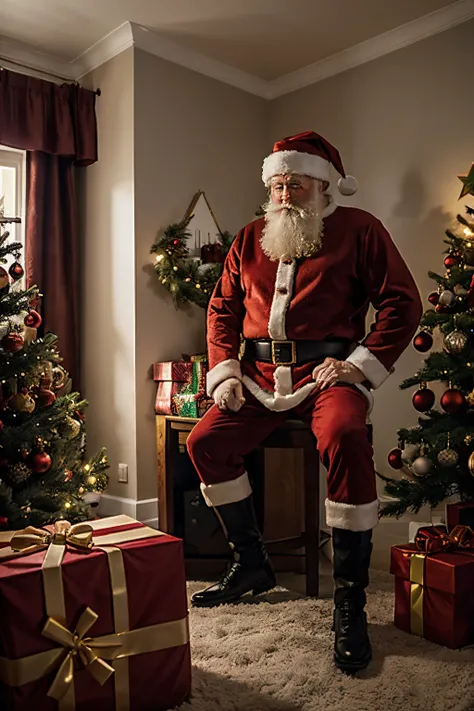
(252, 570)
(352, 549)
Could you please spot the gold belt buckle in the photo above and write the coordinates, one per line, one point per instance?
(293, 353)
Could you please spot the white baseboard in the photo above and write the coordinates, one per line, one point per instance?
(144, 510)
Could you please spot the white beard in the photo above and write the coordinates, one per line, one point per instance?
(293, 231)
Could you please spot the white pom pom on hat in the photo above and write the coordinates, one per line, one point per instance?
(310, 154)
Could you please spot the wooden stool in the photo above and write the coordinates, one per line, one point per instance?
(295, 434)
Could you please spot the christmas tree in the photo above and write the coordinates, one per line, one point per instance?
(436, 457)
(44, 473)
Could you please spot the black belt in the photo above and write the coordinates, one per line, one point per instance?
(295, 352)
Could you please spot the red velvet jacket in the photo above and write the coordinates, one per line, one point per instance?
(324, 296)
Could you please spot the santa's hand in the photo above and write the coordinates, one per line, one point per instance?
(336, 371)
(228, 395)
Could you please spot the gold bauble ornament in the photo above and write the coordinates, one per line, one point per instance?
(455, 342)
(470, 398)
(81, 490)
(448, 458)
(470, 464)
(91, 480)
(469, 438)
(74, 426)
(21, 402)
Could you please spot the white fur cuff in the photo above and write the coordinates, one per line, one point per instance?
(372, 368)
(227, 492)
(286, 162)
(226, 369)
(352, 517)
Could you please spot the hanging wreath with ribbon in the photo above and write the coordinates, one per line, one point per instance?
(187, 278)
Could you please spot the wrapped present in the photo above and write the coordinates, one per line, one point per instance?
(178, 371)
(165, 395)
(434, 579)
(460, 514)
(93, 616)
(191, 404)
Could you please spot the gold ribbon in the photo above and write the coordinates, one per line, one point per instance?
(417, 567)
(91, 652)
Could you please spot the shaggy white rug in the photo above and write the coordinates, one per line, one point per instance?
(276, 655)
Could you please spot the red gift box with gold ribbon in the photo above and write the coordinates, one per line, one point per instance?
(434, 583)
(93, 616)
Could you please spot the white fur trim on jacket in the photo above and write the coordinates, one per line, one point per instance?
(283, 398)
(284, 280)
(226, 369)
(352, 517)
(227, 492)
(285, 162)
(369, 365)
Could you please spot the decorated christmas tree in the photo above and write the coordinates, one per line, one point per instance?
(436, 457)
(44, 473)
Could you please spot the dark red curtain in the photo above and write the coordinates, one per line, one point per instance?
(57, 126)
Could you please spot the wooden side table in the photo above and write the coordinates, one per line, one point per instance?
(172, 433)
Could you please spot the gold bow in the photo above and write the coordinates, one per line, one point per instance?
(33, 539)
(87, 650)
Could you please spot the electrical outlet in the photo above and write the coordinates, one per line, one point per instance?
(123, 473)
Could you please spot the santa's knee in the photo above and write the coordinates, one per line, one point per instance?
(343, 437)
(201, 445)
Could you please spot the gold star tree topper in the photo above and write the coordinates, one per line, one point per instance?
(468, 183)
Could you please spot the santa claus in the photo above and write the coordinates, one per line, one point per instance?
(296, 285)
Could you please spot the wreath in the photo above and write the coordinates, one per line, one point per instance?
(189, 279)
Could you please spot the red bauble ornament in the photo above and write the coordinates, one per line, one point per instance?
(395, 458)
(46, 397)
(3, 521)
(423, 399)
(176, 242)
(451, 260)
(39, 462)
(452, 401)
(1, 425)
(433, 298)
(16, 271)
(13, 342)
(442, 309)
(33, 319)
(423, 341)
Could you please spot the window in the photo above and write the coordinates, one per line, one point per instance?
(12, 188)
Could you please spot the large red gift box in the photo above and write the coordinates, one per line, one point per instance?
(434, 580)
(104, 628)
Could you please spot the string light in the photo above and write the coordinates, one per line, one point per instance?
(468, 232)
(159, 258)
(67, 505)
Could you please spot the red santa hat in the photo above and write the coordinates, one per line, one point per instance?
(307, 153)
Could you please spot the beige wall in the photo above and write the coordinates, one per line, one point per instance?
(106, 206)
(191, 133)
(403, 126)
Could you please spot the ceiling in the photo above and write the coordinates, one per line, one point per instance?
(264, 38)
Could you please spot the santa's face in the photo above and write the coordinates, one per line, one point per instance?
(293, 217)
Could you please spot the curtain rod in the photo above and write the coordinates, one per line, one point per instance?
(41, 71)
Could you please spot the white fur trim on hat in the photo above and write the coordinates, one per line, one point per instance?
(284, 162)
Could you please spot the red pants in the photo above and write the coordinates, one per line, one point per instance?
(337, 415)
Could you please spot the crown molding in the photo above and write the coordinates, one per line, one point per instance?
(17, 55)
(388, 42)
(130, 34)
(106, 48)
(154, 43)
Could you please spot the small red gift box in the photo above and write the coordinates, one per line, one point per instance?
(460, 514)
(165, 397)
(93, 616)
(178, 371)
(434, 579)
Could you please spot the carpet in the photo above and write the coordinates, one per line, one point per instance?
(274, 653)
